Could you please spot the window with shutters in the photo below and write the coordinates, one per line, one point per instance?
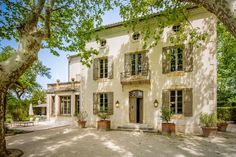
(65, 105)
(176, 59)
(103, 67)
(77, 104)
(136, 63)
(103, 102)
(176, 101)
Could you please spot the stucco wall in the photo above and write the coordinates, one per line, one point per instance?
(202, 80)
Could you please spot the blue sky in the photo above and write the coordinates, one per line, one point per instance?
(59, 65)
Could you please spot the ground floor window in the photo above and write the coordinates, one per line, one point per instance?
(176, 101)
(65, 105)
(103, 102)
(77, 104)
(53, 105)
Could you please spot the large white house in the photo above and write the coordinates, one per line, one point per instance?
(132, 84)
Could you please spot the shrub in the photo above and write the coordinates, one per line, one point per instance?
(226, 113)
(81, 116)
(208, 120)
(166, 114)
(103, 116)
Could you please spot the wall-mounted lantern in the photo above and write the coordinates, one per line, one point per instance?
(117, 104)
(155, 103)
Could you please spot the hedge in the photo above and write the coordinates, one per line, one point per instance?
(226, 113)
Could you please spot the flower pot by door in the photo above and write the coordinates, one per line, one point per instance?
(168, 128)
(104, 125)
(209, 131)
(82, 124)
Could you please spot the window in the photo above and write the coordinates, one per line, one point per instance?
(65, 105)
(176, 28)
(77, 104)
(53, 105)
(176, 101)
(136, 36)
(103, 67)
(103, 43)
(176, 60)
(103, 102)
(136, 63)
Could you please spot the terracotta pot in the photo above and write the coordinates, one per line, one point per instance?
(168, 128)
(209, 131)
(104, 125)
(82, 124)
(222, 127)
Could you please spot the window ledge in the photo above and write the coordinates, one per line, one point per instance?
(177, 116)
(176, 73)
(103, 80)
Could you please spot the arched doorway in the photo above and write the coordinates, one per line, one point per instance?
(136, 106)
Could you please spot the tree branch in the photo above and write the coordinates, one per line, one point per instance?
(223, 9)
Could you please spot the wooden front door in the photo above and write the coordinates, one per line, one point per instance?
(136, 107)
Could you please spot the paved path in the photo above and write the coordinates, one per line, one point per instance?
(74, 142)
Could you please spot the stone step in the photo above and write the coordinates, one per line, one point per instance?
(136, 130)
(136, 127)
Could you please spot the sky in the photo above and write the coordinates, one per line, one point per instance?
(59, 65)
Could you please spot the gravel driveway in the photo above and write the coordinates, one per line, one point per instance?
(73, 142)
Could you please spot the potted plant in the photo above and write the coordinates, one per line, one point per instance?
(103, 123)
(81, 118)
(209, 122)
(167, 127)
(221, 120)
(222, 125)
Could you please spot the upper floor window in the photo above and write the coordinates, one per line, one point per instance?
(103, 43)
(176, 101)
(176, 28)
(136, 63)
(103, 67)
(176, 59)
(136, 36)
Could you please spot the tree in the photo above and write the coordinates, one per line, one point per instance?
(25, 90)
(68, 25)
(226, 55)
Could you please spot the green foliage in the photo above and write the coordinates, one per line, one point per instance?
(226, 113)
(208, 120)
(103, 115)
(81, 116)
(166, 114)
(226, 55)
(37, 95)
(25, 90)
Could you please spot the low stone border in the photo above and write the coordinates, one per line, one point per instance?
(15, 152)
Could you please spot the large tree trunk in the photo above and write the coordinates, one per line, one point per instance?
(3, 152)
(225, 10)
(11, 70)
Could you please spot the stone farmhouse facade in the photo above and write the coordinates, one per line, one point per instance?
(132, 84)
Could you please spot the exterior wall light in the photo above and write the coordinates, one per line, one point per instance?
(117, 104)
(155, 103)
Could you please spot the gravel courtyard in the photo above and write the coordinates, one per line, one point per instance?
(73, 142)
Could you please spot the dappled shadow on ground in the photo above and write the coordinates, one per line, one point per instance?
(71, 141)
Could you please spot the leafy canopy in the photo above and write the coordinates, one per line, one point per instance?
(72, 23)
